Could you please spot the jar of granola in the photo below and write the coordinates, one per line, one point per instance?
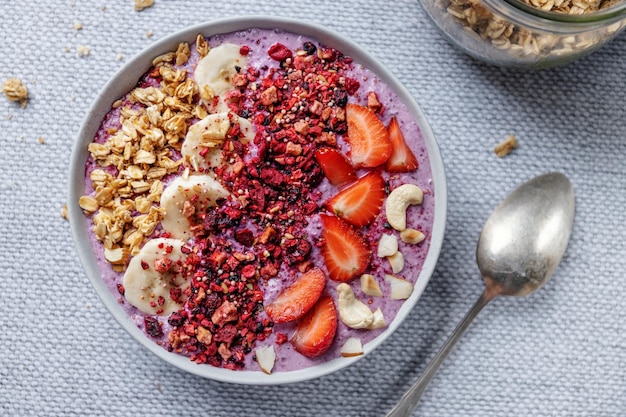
(528, 34)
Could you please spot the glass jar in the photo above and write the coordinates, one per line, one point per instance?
(512, 33)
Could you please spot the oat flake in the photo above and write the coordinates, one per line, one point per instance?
(143, 4)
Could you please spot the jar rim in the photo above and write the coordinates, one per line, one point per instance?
(608, 14)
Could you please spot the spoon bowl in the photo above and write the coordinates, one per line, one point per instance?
(524, 239)
(520, 246)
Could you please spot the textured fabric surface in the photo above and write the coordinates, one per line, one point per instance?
(559, 352)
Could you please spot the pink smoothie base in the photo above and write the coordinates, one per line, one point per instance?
(429, 217)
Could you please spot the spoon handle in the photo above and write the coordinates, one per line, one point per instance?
(409, 400)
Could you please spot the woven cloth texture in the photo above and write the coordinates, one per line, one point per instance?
(558, 352)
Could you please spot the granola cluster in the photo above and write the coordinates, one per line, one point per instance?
(15, 90)
(134, 157)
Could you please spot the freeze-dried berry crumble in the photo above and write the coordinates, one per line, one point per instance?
(297, 108)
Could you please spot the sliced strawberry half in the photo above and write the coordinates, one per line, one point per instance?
(359, 203)
(316, 330)
(346, 254)
(294, 301)
(369, 141)
(336, 166)
(402, 159)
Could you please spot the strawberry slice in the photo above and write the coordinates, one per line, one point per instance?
(346, 254)
(359, 203)
(294, 301)
(337, 168)
(402, 159)
(369, 141)
(316, 330)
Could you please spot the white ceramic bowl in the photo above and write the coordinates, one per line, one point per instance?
(126, 79)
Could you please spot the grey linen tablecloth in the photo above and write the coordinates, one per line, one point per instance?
(559, 352)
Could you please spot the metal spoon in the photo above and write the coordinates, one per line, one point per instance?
(519, 247)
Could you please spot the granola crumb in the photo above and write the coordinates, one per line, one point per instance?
(143, 4)
(182, 53)
(149, 34)
(119, 57)
(103, 8)
(64, 211)
(15, 90)
(202, 46)
(41, 140)
(78, 26)
(83, 51)
(506, 146)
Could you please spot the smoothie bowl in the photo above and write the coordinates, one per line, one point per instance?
(257, 200)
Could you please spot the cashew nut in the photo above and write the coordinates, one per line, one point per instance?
(398, 201)
(401, 289)
(412, 236)
(387, 245)
(352, 312)
(396, 261)
(379, 320)
(352, 347)
(369, 286)
(265, 357)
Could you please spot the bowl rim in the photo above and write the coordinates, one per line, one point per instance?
(123, 81)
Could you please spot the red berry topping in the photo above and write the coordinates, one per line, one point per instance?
(316, 330)
(337, 168)
(294, 301)
(402, 158)
(279, 52)
(346, 254)
(359, 203)
(368, 138)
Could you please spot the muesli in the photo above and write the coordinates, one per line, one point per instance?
(479, 20)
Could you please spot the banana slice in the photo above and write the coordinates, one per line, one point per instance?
(152, 273)
(217, 68)
(202, 147)
(202, 192)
